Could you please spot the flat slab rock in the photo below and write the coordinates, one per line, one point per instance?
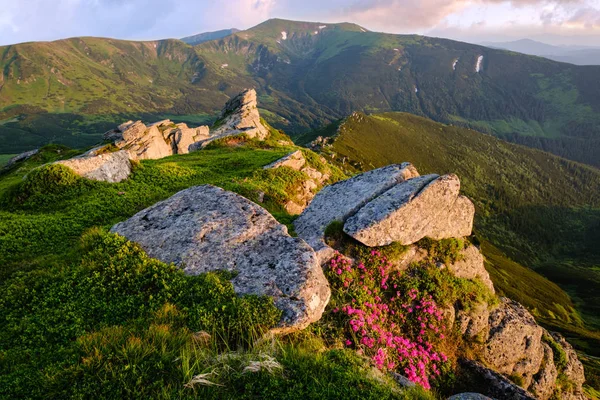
(426, 206)
(205, 228)
(343, 199)
(109, 167)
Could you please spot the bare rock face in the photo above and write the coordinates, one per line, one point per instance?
(544, 382)
(471, 266)
(514, 345)
(305, 192)
(343, 199)
(109, 167)
(474, 322)
(240, 115)
(205, 228)
(412, 210)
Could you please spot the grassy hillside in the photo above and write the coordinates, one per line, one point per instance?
(307, 75)
(541, 211)
(86, 314)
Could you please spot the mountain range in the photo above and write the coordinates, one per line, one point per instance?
(307, 75)
(578, 55)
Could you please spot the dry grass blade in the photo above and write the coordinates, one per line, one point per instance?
(267, 363)
(201, 379)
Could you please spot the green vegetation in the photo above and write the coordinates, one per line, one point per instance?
(71, 91)
(4, 158)
(532, 209)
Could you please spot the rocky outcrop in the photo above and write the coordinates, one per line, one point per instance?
(573, 369)
(544, 382)
(205, 228)
(306, 191)
(474, 322)
(427, 206)
(240, 115)
(101, 166)
(341, 200)
(157, 140)
(21, 157)
(514, 345)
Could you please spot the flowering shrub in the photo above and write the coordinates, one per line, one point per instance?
(388, 317)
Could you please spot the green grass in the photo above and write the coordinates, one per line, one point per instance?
(4, 158)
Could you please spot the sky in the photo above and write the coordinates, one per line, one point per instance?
(563, 22)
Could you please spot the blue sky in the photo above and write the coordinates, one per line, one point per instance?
(554, 21)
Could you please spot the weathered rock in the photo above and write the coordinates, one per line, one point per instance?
(469, 396)
(494, 384)
(514, 345)
(343, 199)
(402, 380)
(474, 322)
(108, 167)
(573, 369)
(471, 266)
(21, 157)
(184, 138)
(293, 160)
(411, 211)
(240, 115)
(205, 228)
(144, 144)
(306, 191)
(544, 381)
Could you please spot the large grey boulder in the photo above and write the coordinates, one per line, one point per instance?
(514, 345)
(205, 228)
(343, 199)
(424, 206)
(96, 165)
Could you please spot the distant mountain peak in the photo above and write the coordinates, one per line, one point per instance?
(206, 36)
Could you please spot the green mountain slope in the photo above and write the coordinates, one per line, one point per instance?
(308, 74)
(533, 208)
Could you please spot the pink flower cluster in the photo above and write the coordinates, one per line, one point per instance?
(396, 328)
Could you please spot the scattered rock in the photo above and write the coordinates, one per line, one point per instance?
(205, 228)
(514, 345)
(412, 210)
(343, 199)
(402, 380)
(21, 157)
(109, 167)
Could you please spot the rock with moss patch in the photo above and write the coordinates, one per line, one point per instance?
(21, 157)
(205, 228)
(343, 199)
(492, 383)
(426, 206)
(572, 369)
(470, 265)
(108, 167)
(544, 381)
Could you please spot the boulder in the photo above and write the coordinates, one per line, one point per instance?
(21, 157)
(109, 167)
(412, 210)
(205, 228)
(184, 138)
(514, 345)
(573, 369)
(144, 144)
(471, 266)
(343, 199)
